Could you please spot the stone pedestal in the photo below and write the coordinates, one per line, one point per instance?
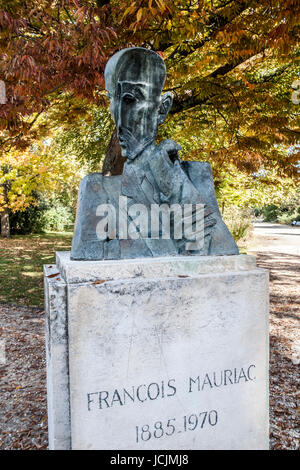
(157, 353)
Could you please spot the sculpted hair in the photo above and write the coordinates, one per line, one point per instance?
(135, 64)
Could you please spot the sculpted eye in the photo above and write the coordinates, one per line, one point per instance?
(128, 98)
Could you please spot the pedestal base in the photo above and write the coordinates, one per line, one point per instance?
(157, 353)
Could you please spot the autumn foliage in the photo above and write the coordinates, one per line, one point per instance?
(231, 65)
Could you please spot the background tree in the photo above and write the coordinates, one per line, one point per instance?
(25, 173)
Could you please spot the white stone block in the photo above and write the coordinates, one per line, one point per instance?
(167, 353)
(58, 401)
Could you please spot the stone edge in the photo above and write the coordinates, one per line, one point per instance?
(160, 267)
(57, 360)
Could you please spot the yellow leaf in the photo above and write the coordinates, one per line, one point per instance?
(153, 11)
(139, 14)
(128, 10)
(161, 5)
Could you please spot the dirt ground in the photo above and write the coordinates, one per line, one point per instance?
(277, 248)
(23, 413)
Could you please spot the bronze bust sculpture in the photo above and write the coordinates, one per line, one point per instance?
(154, 180)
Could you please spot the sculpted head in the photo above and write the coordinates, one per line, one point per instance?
(134, 79)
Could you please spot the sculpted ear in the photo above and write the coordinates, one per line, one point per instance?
(164, 107)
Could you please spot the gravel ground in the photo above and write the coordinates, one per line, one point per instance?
(23, 413)
(284, 349)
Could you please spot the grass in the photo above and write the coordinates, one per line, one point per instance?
(21, 265)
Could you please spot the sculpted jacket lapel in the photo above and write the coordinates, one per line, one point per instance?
(138, 185)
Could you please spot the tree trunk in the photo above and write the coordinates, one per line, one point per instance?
(223, 207)
(5, 226)
(113, 162)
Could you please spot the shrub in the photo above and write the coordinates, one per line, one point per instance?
(28, 221)
(284, 213)
(238, 222)
(45, 216)
(288, 217)
(270, 213)
(57, 218)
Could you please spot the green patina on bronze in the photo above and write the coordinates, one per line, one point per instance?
(152, 174)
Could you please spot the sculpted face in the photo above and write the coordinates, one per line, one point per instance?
(136, 116)
(134, 79)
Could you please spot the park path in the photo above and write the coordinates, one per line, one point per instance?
(276, 238)
(277, 248)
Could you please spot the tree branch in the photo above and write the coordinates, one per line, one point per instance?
(216, 22)
(189, 100)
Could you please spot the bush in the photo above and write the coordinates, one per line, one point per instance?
(288, 217)
(270, 213)
(57, 218)
(284, 214)
(28, 221)
(238, 222)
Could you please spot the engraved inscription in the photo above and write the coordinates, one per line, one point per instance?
(172, 426)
